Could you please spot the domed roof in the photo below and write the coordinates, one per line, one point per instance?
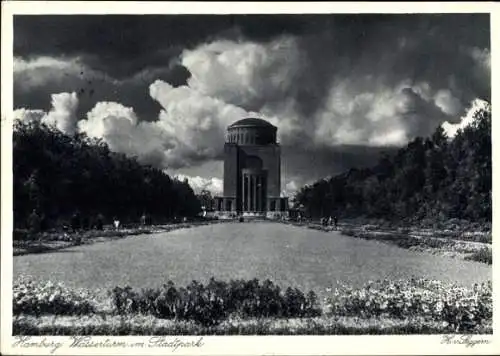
(252, 122)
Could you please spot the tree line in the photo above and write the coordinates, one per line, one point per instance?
(436, 178)
(59, 175)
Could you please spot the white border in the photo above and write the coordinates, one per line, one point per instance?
(232, 345)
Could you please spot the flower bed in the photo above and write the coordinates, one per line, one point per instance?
(24, 243)
(217, 301)
(484, 255)
(37, 298)
(458, 307)
(469, 249)
(251, 307)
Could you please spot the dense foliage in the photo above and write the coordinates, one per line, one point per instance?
(433, 178)
(252, 307)
(210, 304)
(461, 308)
(484, 255)
(59, 175)
(38, 298)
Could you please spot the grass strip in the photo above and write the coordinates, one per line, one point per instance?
(149, 325)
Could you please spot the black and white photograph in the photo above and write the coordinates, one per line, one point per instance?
(176, 176)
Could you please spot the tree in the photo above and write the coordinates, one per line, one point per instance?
(432, 177)
(59, 174)
(206, 200)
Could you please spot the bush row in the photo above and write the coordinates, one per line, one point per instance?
(484, 255)
(458, 308)
(461, 308)
(405, 240)
(24, 235)
(216, 301)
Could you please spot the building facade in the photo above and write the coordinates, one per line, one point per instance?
(252, 164)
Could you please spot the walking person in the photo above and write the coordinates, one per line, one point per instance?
(99, 222)
(335, 221)
(34, 223)
(116, 223)
(76, 221)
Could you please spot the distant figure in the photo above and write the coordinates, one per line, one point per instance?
(143, 219)
(116, 223)
(34, 222)
(75, 221)
(335, 221)
(99, 222)
(86, 224)
(330, 221)
(44, 223)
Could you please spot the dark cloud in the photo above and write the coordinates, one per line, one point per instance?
(390, 48)
(304, 165)
(334, 84)
(122, 45)
(93, 86)
(125, 44)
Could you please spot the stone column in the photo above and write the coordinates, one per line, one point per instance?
(261, 208)
(249, 192)
(257, 188)
(242, 195)
(254, 195)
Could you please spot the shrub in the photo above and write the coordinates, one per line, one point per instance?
(216, 301)
(461, 308)
(38, 298)
(348, 232)
(483, 255)
(20, 235)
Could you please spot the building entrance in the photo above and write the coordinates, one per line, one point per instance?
(253, 197)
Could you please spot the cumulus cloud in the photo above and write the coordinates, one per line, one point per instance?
(38, 77)
(118, 126)
(233, 79)
(197, 183)
(382, 115)
(194, 123)
(482, 58)
(29, 115)
(45, 70)
(243, 73)
(330, 90)
(190, 128)
(290, 189)
(356, 110)
(451, 129)
(62, 115)
(265, 78)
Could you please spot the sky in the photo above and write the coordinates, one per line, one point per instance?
(340, 88)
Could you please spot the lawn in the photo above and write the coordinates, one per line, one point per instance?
(287, 255)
